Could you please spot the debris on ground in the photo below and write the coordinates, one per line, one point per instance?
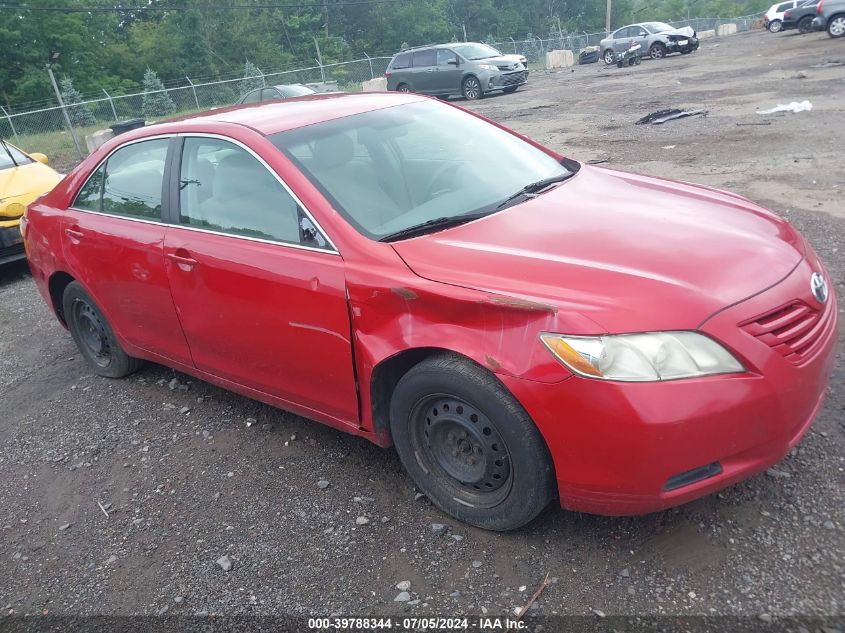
(830, 62)
(533, 598)
(224, 563)
(793, 106)
(670, 114)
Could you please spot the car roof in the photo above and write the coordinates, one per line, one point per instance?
(278, 116)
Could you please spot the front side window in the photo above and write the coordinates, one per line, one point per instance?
(129, 182)
(444, 56)
(424, 58)
(621, 33)
(395, 168)
(224, 188)
(252, 97)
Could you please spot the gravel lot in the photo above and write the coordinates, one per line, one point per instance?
(119, 497)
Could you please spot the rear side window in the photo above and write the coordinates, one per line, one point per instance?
(129, 183)
(402, 60)
(224, 188)
(269, 93)
(620, 33)
(424, 58)
(783, 7)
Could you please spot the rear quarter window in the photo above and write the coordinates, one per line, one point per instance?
(403, 60)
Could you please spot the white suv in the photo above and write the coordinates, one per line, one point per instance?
(773, 20)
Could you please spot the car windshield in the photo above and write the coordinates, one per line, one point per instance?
(11, 156)
(658, 27)
(295, 90)
(399, 167)
(476, 51)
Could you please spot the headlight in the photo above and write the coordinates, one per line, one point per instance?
(488, 67)
(651, 356)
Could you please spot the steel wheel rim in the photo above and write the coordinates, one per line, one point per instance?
(837, 26)
(608, 58)
(92, 333)
(471, 88)
(456, 442)
(774, 27)
(656, 52)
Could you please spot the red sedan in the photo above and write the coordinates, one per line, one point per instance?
(520, 326)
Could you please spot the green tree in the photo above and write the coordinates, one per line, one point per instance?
(77, 110)
(156, 101)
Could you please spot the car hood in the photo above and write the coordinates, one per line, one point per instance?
(32, 178)
(686, 31)
(622, 252)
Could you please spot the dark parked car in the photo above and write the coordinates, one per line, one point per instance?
(284, 91)
(468, 68)
(830, 17)
(801, 17)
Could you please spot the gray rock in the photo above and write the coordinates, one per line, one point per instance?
(403, 585)
(764, 617)
(625, 573)
(476, 563)
(403, 596)
(178, 599)
(829, 525)
(64, 527)
(322, 484)
(225, 563)
(362, 521)
(599, 613)
(439, 529)
(774, 473)
(455, 594)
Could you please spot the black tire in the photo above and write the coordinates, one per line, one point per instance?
(686, 51)
(471, 88)
(657, 50)
(775, 26)
(805, 24)
(403, 88)
(836, 25)
(609, 57)
(510, 89)
(637, 61)
(93, 335)
(469, 445)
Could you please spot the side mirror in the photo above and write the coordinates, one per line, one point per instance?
(454, 62)
(41, 158)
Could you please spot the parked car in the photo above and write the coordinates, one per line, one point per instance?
(23, 177)
(282, 91)
(520, 326)
(773, 18)
(830, 17)
(801, 17)
(656, 39)
(467, 68)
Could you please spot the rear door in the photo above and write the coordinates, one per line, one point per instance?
(113, 241)
(423, 70)
(621, 40)
(260, 290)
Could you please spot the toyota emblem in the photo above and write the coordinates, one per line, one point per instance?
(818, 286)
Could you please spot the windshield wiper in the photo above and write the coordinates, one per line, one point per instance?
(9, 152)
(533, 187)
(433, 225)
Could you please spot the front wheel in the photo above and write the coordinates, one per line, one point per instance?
(609, 57)
(657, 51)
(469, 445)
(775, 26)
(94, 336)
(836, 26)
(471, 88)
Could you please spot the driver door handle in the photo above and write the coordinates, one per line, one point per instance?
(183, 262)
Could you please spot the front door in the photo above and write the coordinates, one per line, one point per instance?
(260, 292)
(113, 240)
(447, 75)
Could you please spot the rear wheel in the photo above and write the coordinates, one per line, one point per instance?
(836, 26)
(805, 24)
(469, 445)
(657, 51)
(93, 335)
(775, 26)
(471, 88)
(403, 88)
(608, 56)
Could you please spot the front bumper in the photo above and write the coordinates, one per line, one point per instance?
(633, 448)
(11, 244)
(692, 44)
(819, 23)
(505, 79)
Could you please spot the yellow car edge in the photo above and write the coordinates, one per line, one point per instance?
(23, 178)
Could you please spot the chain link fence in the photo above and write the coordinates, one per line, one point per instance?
(45, 130)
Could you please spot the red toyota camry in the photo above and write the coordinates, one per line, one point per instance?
(520, 326)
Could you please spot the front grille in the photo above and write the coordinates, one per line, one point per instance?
(794, 330)
(8, 253)
(513, 78)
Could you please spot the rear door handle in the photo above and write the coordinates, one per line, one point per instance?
(184, 263)
(74, 235)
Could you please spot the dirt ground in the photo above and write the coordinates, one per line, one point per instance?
(186, 473)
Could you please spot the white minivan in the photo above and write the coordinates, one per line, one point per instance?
(773, 20)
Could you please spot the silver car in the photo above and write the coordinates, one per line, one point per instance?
(656, 39)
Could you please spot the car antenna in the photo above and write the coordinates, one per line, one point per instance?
(8, 151)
